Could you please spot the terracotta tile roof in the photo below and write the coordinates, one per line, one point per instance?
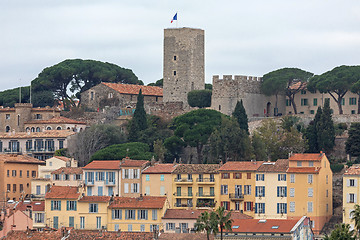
(353, 170)
(127, 162)
(306, 157)
(184, 236)
(14, 158)
(258, 226)
(38, 206)
(68, 170)
(134, 89)
(103, 164)
(56, 120)
(298, 85)
(241, 166)
(44, 134)
(62, 192)
(95, 199)
(160, 168)
(147, 202)
(303, 170)
(65, 159)
(281, 165)
(196, 168)
(194, 214)
(34, 235)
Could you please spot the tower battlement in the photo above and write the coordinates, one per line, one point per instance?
(238, 83)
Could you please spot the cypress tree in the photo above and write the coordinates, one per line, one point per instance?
(241, 116)
(325, 129)
(139, 121)
(353, 142)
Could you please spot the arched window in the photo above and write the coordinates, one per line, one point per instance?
(38, 129)
(7, 129)
(58, 128)
(32, 129)
(68, 128)
(27, 129)
(48, 128)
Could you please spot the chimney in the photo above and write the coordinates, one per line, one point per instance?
(141, 197)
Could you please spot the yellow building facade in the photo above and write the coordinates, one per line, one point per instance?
(351, 192)
(93, 212)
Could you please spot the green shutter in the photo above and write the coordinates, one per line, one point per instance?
(67, 205)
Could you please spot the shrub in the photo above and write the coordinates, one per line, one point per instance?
(336, 167)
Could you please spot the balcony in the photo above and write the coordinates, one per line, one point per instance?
(89, 183)
(183, 180)
(205, 195)
(6, 150)
(205, 204)
(40, 150)
(205, 180)
(183, 195)
(183, 205)
(236, 197)
(110, 183)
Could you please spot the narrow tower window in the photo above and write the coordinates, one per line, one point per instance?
(174, 73)
(174, 58)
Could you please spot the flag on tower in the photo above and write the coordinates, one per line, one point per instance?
(174, 18)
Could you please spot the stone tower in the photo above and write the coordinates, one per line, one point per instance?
(183, 63)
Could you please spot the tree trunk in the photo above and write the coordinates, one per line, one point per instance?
(340, 106)
(208, 235)
(221, 232)
(199, 148)
(292, 100)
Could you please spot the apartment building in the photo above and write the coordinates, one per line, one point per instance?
(351, 192)
(93, 212)
(195, 186)
(16, 173)
(54, 163)
(54, 123)
(237, 189)
(67, 176)
(309, 185)
(131, 176)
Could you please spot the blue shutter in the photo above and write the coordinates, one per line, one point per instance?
(285, 191)
(52, 205)
(86, 177)
(113, 214)
(264, 207)
(107, 177)
(278, 191)
(285, 177)
(97, 176)
(126, 214)
(285, 207)
(256, 207)
(67, 205)
(278, 177)
(60, 205)
(257, 177)
(146, 215)
(138, 214)
(278, 208)
(256, 191)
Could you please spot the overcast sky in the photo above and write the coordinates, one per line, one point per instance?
(241, 37)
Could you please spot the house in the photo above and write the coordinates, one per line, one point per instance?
(237, 190)
(131, 176)
(93, 212)
(16, 172)
(157, 180)
(67, 176)
(350, 193)
(140, 214)
(55, 163)
(54, 123)
(270, 229)
(271, 190)
(41, 145)
(309, 184)
(118, 94)
(36, 211)
(14, 219)
(195, 186)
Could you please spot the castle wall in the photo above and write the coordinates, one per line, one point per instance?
(228, 91)
(183, 63)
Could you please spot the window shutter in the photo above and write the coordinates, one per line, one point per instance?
(278, 208)
(138, 187)
(355, 198)
(146, 215)
(348, 182)
(132, 187)
(256, 207)
(285, 191)
(278, 177)
(126, 188)
(126, 214)
(52, 205)
(284, 177)
(86, 177)
(75, 205)
(120, 214)
(251, 206)
(264, 208)
(67, 205)
(139, 214)
(138, 173)
(263, 191)
(131, 173)
(60, 205)
(113, 214)
(278, 191)
(285, 208)
(123, 173)
(240, 175)
(348, 198)
(97, 176)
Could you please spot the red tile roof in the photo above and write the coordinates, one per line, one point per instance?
(259, 226)
(134, 89)
(62, 192)
(95, 199)
(281, 165)
(303, 170)
(298, 85)
(44, 134)
(68, 170)
(194, 214)
(145, 202)
(127, 162)
(241, 166)
(185, 236)
(56, 120)
(160, 168)
(103, 164)
(306, 157)
(25, 159)
(353, 170)
(38, 206)
(65, 159)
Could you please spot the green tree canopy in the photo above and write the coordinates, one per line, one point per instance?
(133, 150)
(77, 75)
(240, 115)
(352, 145)
(200, 98)
(342, 231)
(258, 147)
(355, 88)
(158, 83)
(336, 82)
(139, 120)
(207, 222)
(224, 220)
(283, 81)
(9, 97)
(356, 217)
(208, 86)
(194, 128)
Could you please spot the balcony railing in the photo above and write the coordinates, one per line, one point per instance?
(234, 196)
(205, 204)
(183, 205)
(110, 183)
(89, 182)
(6, 150)
(206, 180)
(199, 194)
(185, 180)
(40, 150)
(182, 195)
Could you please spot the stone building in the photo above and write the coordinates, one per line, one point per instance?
(14, 119)
(183, 63)
(121, 95)
(228, 91)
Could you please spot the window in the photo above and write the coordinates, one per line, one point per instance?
(100, 176)
(20, 173)
(281, 177)
(37, 129)
(91, 95)
(7, 116)
(327, 193)
(8, 173)
(247, 189)
(39, 217)
(237, 205)
(190, 191)
(327, 179)
(248, 175)
(327, 207)
(142, 214)
(82, 222)
(353, 112)
(351, 198)
(33, 174)
(66, 177)
(312, 112)
(351, 183)
(292, 207)
(110, 191)
(7, 129)
(260, 177)
(292, 178)
(224, 189)
(292, 192)
(226, 205)
(8, 187)
(259, 208)
(303, 92)
(352, 101)
(98, 222)
(162, 190)
(174, 58)
(225, 175)
(100, 190)
(71, 205)
(162, 177)
(343, 101)
(77, 176)
(310, 178)
(281, 191)
(311, 163)
(174, 73)
(126, 175)
(93, 208)
(13, 173)
(136, 173)
(248, 206)
(61, 144)
(135, 188)
(310, 207)
(21, 188)
(116, 214)
(281, 208)
(237, 176)
(130, 214)
(190, 176)
(287, 102)
(55, 205)
(142, 228)
(259, 191)
(56, 176)
(310, 192)
(154, 214)
(315, 101)
(299, 163)
(116, 227)
(14, 187)
(170, 226)
(304, 102)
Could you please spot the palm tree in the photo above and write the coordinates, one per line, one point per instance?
(342, 231)
(207, 222)
(356, 217)
(224, 220)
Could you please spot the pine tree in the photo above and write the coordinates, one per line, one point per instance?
(311, 133)
(139, 120)
(325, 129)
(353, 142)
(241, 116)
